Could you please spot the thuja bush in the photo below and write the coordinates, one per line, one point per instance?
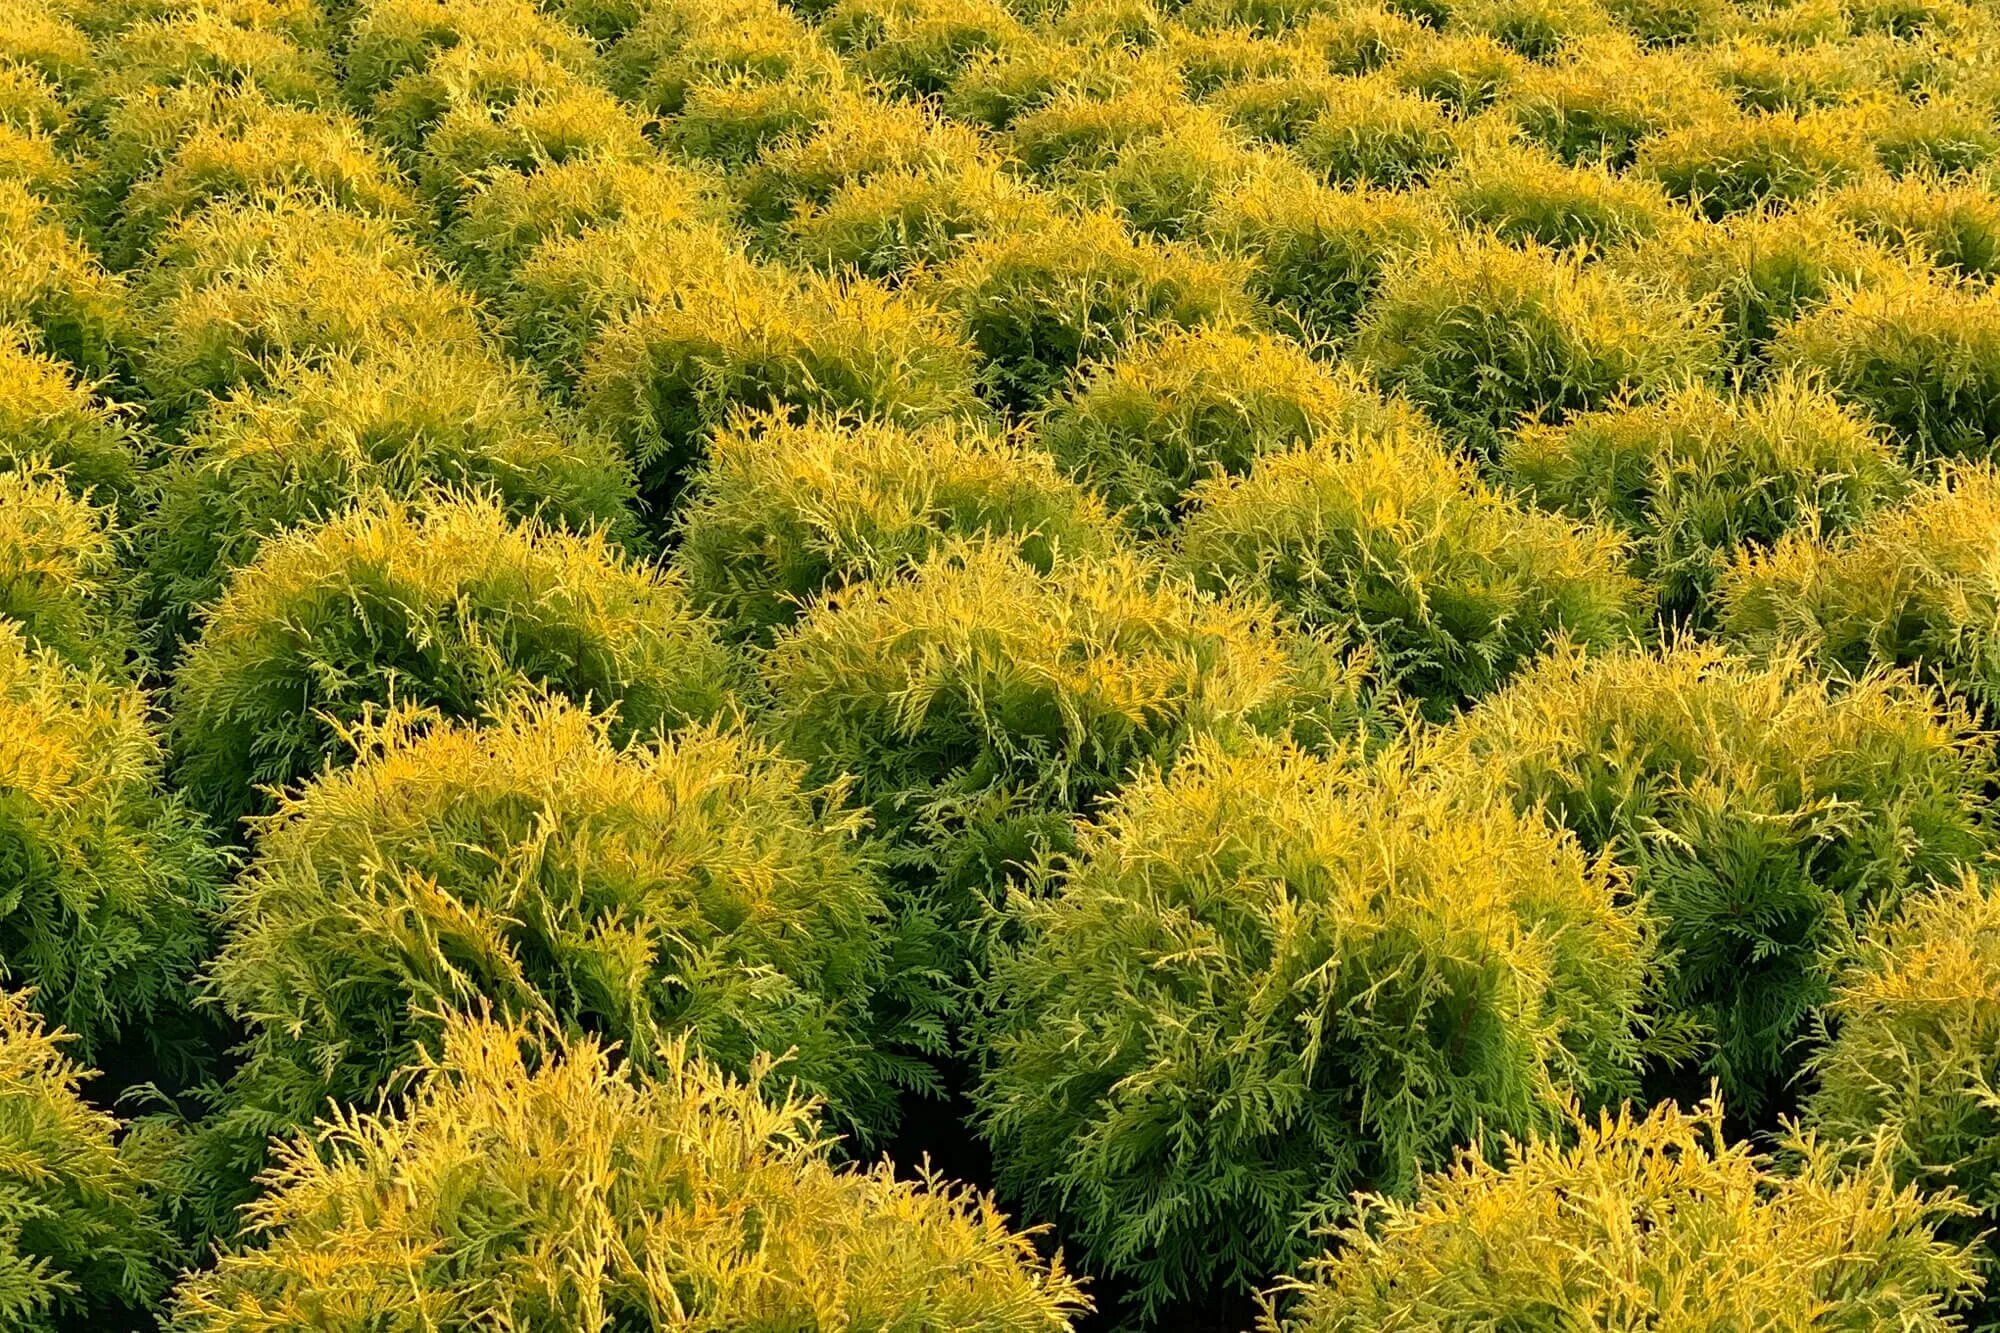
(1761, 812)
(980, 703)
(1604, 98)
(1699, 476)
(48, 416)
(570, 122)
(728, 125)
(1083, 126)
(534, 1181)
(1170, 410)
(1265, 981)
(444, 603)
(1487, 337)
(1467, 71)
(1540, 30)
(51, 285)
(323, 436)
(1952, 225)
(898, 222)
(762, 340)
(1763, 75)
(1171, 185)
(81, 1243)
(111, 882)
(918, 47)
(1647, 1221)
(531, 865)
(1369, 131)
(1390, 538)
(1944, 134)
(682, 45)
(1037, 304)
(783, 511)
(864, 138)
(176, 49)
(1915, 586)
(229, 295)
(60, 580)
(1520, 194)
(1723, 164)
(1921, 356)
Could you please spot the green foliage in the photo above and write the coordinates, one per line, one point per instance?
(529, 1182)
(1467, 71)
(864, 138)
(198, 45)
(60, 583)
(80, 1241)
(1388, 537)
(569, 122)
(48, 417)
(1144, 427)
(678, 46)
(1370, 131)
(1642, 1221)
(1605, 98)
(1724, 164)
(1522, 194)
(404, 53)
(53, 286)
(899, 221)
(1762, 815)
(1264, 981)
(1488, 337)
(1953, 225)
(1699, 476)
(782, 512)
(917, 47)
(1943, 134)
(447, 604)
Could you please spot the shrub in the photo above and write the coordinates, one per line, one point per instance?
(782, 512)
(59, 578)
(1081, 127)
(1371, 132)
(1765, 76)
(1949, 224)
(1170, 186)
(1761, 814)
(666, 372)
(1524, 195)
(730, 124)
(1355, 38)
(1539, 30)
(1488, 337)
(681, 45)
(557, 125)
(1038, 304)
(1316, 254)
(1467, 71)
(194, 46)
(917, 47)
(446, 604)
(324, 436)
(393, 47)
(230, 295)
(1920, 356)
(1390, 538)
(1265, 981)
(1658, 1218)
(1604, 99)
(81, 1241)
(980, 704)
(897, 222)
(1942, 134)
(1184, 405)
(1723, 164)
(48, 417)
(863, 139)
(1699, 476)
(1913, 587)
(53, 286)
(553, 1186)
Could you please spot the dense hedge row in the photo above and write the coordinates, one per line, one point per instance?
(1295, 636)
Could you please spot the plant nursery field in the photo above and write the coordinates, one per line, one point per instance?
(1299, 666)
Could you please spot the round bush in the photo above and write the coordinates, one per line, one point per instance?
(1467, 71)
(1372, 132)
(48, 417)
(1082, 126)
(1520, 194)
(447, 604)
(201, 45)
(782, 512)
(1942, 134)
(397, 40)
(1605, 98)
(1266, 981)
(1952, 225)
(681, 45)
(728, 125)
(1037, 304)
(1488, 337)
(566, 123)
(917, 48)
(322, 436)
(861, 140)
(80, 1240)
(1699, 476)
(1540, 30)
(1171, 410)
(1723, 164)
(1390, 538)
(1920, 356)
(1761, 813)
(60, 582)
(897, 222)
(1656, 1217)
(51, 285)
(1171, 186)
(532, 1182)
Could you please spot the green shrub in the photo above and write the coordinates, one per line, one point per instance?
(1760, 812)
(861, 140)
(729, 125)
(1521, 194)
(917, 47)
(1356, 36)
(81, 1241)
(1672, 22)
(1467, 71)
(1281, 108)
(1656, 1221)
(1173, 409)
(980, 704)
(1171, 186)
(53, 286)
(558, 125)
(668, 371)
(1389, 537)
(47, 416)
(1766, 76)
(1211, 61)
(60, 582)
(393, 47)
(1081, 127)
(680, 45)
(1953, 225)
(1540, 30)
(1317, 254)
(1699, 476)
(1916, 586)
(1373, 132)
(447, 604)
(199, 45)
(1488, 337)
(1605, 98)
(896, 222)
(1723, 164)
(232, 294)
(1265, 981)
(782, 512)
(546, 1186)
(323, 436)
(111, 883)
(1038, 304)
(46, 39)
(1943, 134)
(1921, 356)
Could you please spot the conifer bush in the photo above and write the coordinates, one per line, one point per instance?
(917, 48)
(861, 140)
(1943, 134)
(534, 1181)
(201, 45)
(1488, 337)
(1171, 410)
(1952, 225)
(1170, 186)
(444, 603)
(895, 223)
(60, 581)
(1467, 71)
(570, 122)
(782, 512)
(1724, 164)
(1652, 1220)
(1699, 476)
(1604, 98)
(1524, 195)
(52, 285)
(1761, 813)
(81, 1244)
(408, 51)
(728, 125)
(48, 416)
(1372, 132)
(1264, 981)
(111, 882)
(678, 46)
(1389, 537)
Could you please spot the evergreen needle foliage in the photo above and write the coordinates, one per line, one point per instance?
(60, 583)
(49, 417)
